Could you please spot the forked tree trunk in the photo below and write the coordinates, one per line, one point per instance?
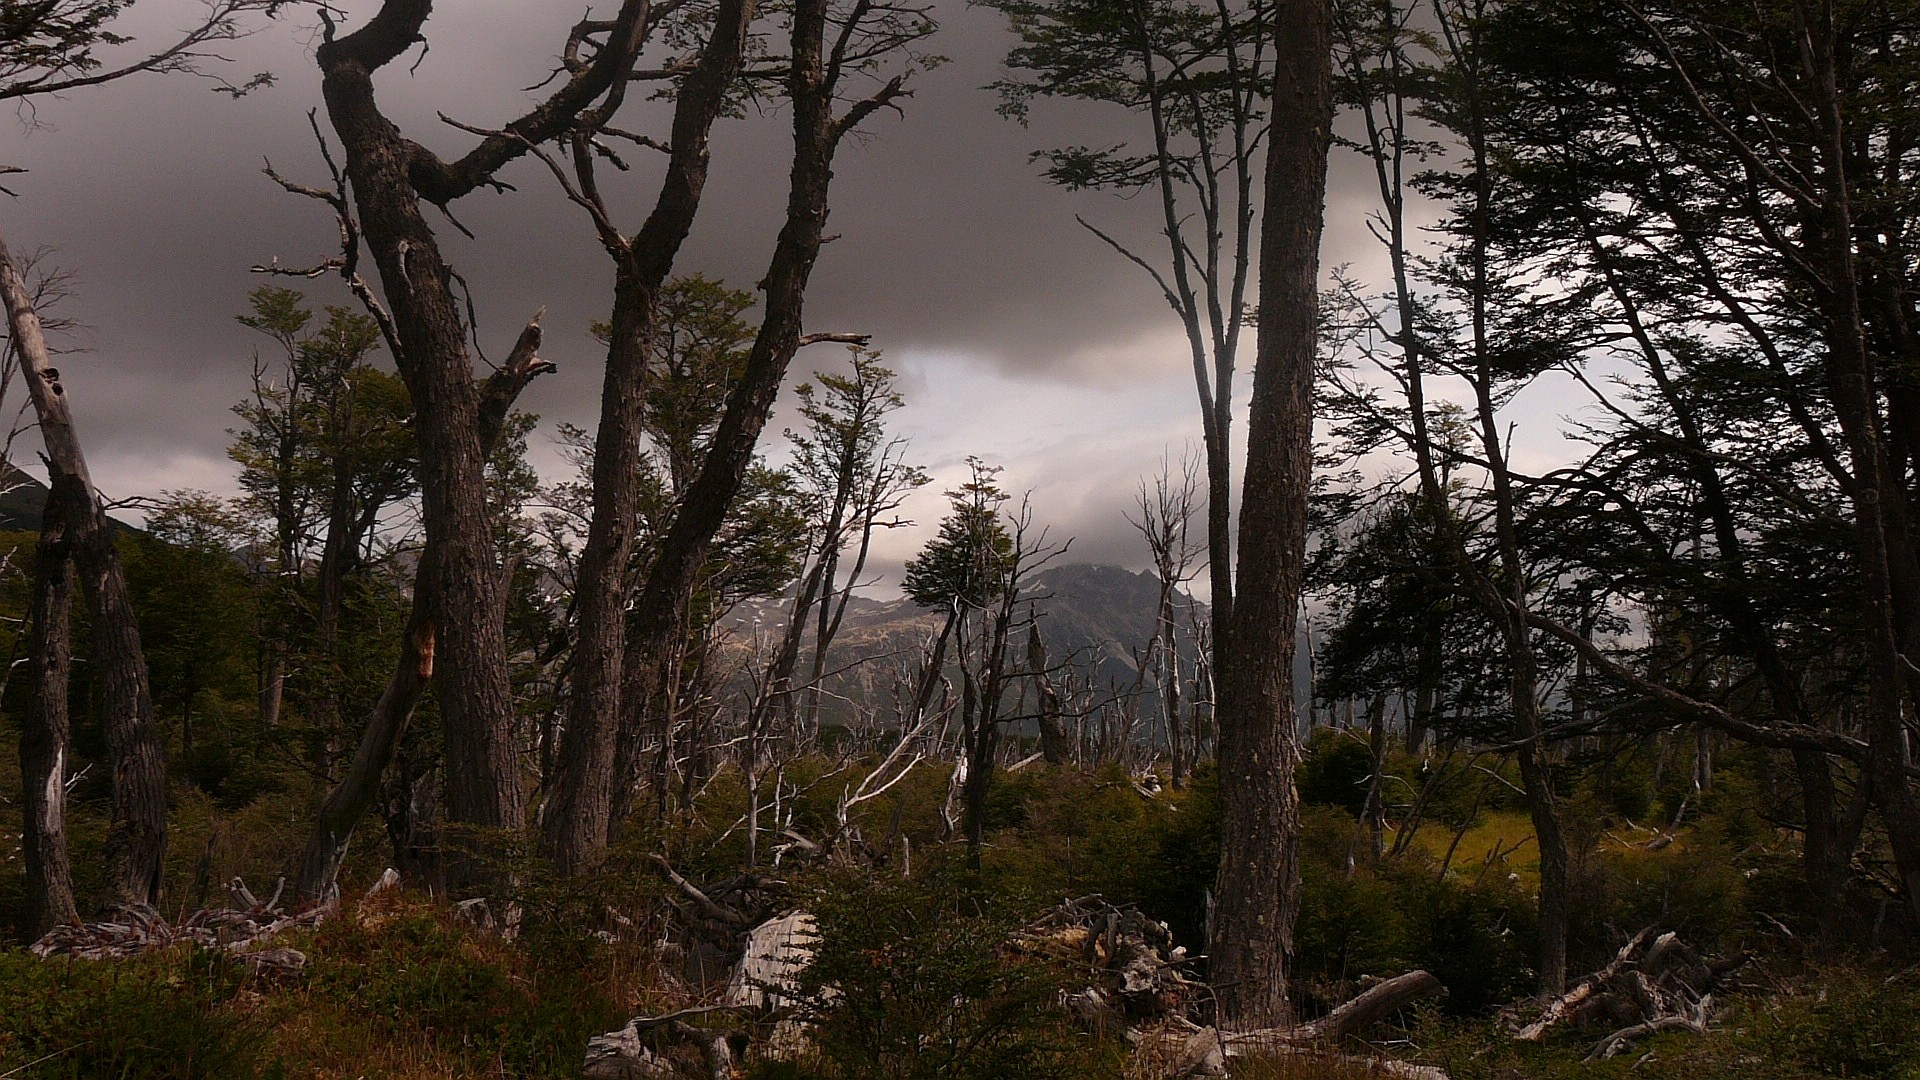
(137, 840)
(661, 607)
(350, 799)
(576, 820)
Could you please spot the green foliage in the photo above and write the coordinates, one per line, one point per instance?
(1335, 770)
(914, 979)
(414, 971)
(1835, 1022)
(1473, 932)
(965, 564)
(166, 1017)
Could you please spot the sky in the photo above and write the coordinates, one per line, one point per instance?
(1018, 336)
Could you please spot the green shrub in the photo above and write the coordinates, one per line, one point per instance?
(1335, 770)
(914, 980)
(414, 969)
(164, 1017)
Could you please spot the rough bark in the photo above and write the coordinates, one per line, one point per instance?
(44, 735)
(350, 799)
(137, 839)
(1258, 888)
(660, 610)
(576, 820)
(1056, 739)
(389, 176)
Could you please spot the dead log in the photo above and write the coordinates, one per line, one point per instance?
(1380, 1001)
(1181, 1049)
(133, 931)
(768, 974)
(1654, 983)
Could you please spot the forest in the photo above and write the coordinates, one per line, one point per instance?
(1512, 674)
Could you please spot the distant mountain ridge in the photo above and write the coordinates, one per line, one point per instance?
(1096, 615)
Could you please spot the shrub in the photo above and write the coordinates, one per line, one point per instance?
(913, 979)
(1335, 770)
(413, 970)
(163, 1017)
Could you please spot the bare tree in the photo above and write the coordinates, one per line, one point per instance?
(78, 538)
(1165, 513)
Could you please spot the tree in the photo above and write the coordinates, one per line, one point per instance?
(194, 601)
(48, 47)
(75, 533)
(832, 51)
(856, 474)
(975, 564)
(326, 448)
(1258, 891)
(1197, 73)
(1165, 515)
(390, 177)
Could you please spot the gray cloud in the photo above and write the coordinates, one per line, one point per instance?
(1019, 336)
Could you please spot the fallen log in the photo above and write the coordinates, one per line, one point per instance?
(132, 931)
(1181, 1049)
(1654, 983)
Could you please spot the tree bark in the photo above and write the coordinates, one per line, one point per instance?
(662, 604)
(44, 738)
(576, 820)
(1258, 889)
(389, 176)
(350, 799)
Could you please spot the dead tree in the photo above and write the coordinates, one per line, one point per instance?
(137, 842)
(1165, 513)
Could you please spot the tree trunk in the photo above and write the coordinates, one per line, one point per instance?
(350, 799)
(670, 582)
(483, 791)
(137, 840)
(576, 820)
(1259, 883)
(44, 737)
(1056, 739)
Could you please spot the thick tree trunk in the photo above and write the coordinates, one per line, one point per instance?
(483, 791)
(1259, 882)
(350, 799)
(137, 841)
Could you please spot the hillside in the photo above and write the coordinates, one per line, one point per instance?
(1098, 615)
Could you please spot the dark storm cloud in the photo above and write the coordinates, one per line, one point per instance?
(969, 270)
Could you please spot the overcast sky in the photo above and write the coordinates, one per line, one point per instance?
(1019, 337)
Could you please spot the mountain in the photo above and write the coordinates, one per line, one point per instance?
(23, 499)
(1090, 616)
